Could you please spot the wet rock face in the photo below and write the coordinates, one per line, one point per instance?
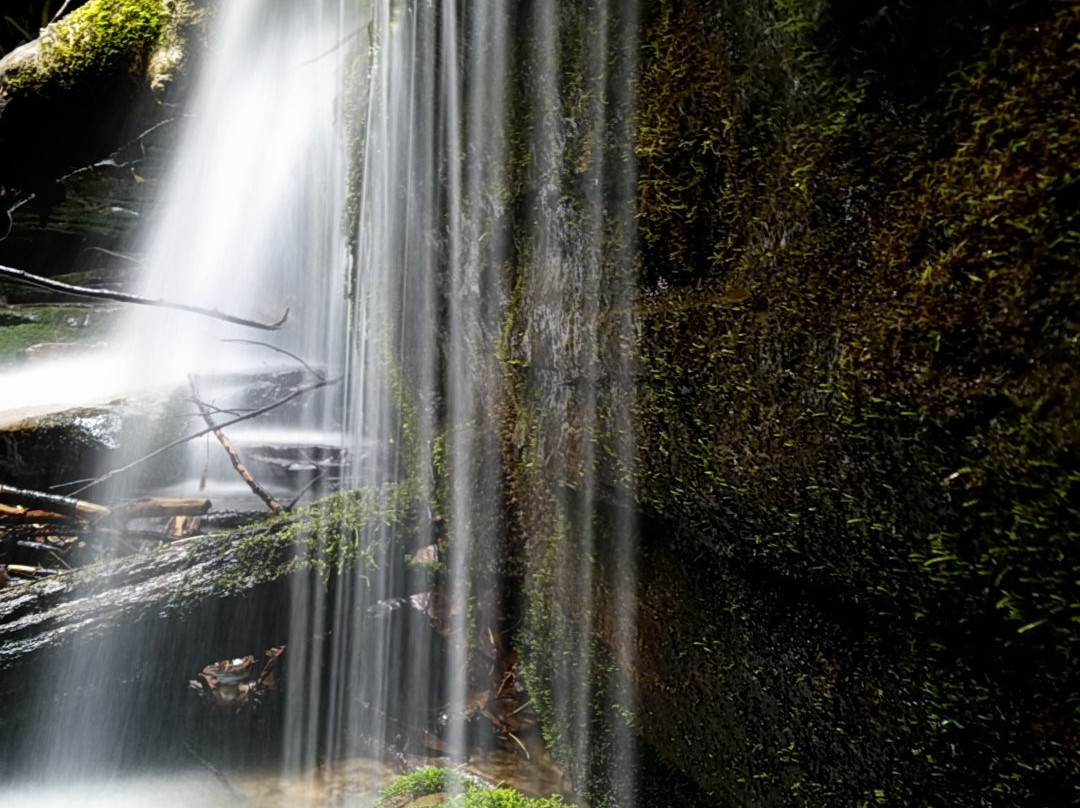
(56, 447)
(806, 693)
(74, 444)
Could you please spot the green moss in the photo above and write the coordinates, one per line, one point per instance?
(501, 798)
(930, 331)
(357, 81)
(865, 389)
(430, 781)
(349, 531)
(101, 38)
(24, 326)
(420, 783)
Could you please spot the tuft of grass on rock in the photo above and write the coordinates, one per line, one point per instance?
(456, 792)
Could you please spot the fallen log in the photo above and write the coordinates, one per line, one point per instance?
(231, 519)
(125, 636)
(156, 508)
(127, 534)
(135, 629)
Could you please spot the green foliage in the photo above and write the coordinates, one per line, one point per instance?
(420, 783)
(468, 794)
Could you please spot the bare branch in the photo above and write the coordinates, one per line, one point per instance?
(108, 162)
(214, 770)
(214, 410)
(29, 279)
(333, 48)
(56, 503)
(311, 484)
(307, 367)
(90, 483)
(60, 13)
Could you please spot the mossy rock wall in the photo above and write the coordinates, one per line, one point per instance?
(856, 407)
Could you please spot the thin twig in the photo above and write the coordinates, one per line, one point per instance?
(215, 410)
(307, 367)
(90, 483)
(333, 48)
(305, 489)
(29, 279)
(60, 13)
(234, 458)
(517, 740)
(519, 709)
(108, 162)
(214, 770)
(60, 560)
(115, 254)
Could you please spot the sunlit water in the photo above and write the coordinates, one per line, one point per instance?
(250, 224)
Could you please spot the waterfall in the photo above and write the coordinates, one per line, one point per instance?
(493, 295)
(250, 223)
(487, 389)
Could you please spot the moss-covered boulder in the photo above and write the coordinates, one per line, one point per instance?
(89, 82)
